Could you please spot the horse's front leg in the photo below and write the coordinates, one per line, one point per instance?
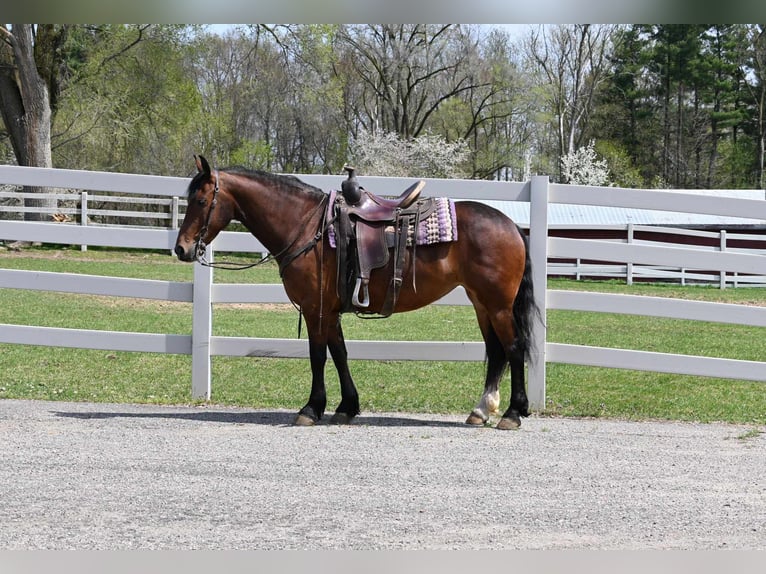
(314, 409)
(349, 404)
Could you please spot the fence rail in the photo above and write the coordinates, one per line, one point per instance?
(721, 240)
(85, 208)
(202, 293)
(82, 208)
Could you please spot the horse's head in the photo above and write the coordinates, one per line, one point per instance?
(207, 213)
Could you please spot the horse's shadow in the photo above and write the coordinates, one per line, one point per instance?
(266, 418)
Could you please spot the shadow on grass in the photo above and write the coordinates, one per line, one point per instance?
(269, 418)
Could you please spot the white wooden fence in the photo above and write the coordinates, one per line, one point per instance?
(723, 240)
(96, 209)
(203, 293)
(82, 205)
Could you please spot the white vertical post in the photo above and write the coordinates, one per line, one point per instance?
(83, 214)
(174, 212)
(202, 328)
(629, 270)
(723, 248)
(538, 251)
(173, 216)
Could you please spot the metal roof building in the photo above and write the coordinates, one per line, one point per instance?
(573, 216)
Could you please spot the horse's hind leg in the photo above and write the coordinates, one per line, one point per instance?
(505, 349)
(519, 406)
(495, 367)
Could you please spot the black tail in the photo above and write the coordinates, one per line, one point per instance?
(525, 311)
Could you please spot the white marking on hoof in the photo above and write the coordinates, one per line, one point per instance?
(488, 404)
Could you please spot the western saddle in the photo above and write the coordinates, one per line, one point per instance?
(367, 228)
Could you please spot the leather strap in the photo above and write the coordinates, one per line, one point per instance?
(401, 225)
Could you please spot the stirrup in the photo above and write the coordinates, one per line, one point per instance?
(355, 297)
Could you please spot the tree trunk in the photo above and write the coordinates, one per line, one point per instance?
(25, 102)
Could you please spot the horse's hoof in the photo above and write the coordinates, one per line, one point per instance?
(304, 421)
(340, 419)
(509, 423)
(475, 420)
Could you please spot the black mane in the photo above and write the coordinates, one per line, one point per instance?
(287, 182)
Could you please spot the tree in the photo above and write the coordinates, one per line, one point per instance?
(625, 117)
(675, 57)
(313, 120)
(719, 93)
(130, 104)
(572, 63)
(271, 98)
(28, 92)
(389, 155)
(677, 104)
(583, 167)
(496, 117)
(406, 71)
(755, 66)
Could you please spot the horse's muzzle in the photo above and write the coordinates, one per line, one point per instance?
(184, 254)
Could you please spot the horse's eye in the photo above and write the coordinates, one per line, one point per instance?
(201, 201)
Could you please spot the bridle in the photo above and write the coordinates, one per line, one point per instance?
(200, 245)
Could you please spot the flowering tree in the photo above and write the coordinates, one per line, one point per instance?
(428, 155)
(583, 167)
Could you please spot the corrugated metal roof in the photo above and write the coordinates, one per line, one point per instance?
(566, 215)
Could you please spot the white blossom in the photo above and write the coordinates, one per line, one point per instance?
(386, 154)
(583, 167)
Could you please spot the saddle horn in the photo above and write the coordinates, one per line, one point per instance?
(350, 188)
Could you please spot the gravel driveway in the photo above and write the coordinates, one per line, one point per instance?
(104, 476)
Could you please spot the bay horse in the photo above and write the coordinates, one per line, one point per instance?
(489, 259)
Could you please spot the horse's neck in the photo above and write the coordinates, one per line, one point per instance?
(271, 214)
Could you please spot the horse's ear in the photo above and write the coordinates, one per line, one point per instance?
(202, 165)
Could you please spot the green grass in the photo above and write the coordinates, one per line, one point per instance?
(72, 374)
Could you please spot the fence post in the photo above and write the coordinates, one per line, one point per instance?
(173, 216)
(83, 214)
(629, 270)
(174, 212)
(538, 251)
(202, 328)
(723, 248)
